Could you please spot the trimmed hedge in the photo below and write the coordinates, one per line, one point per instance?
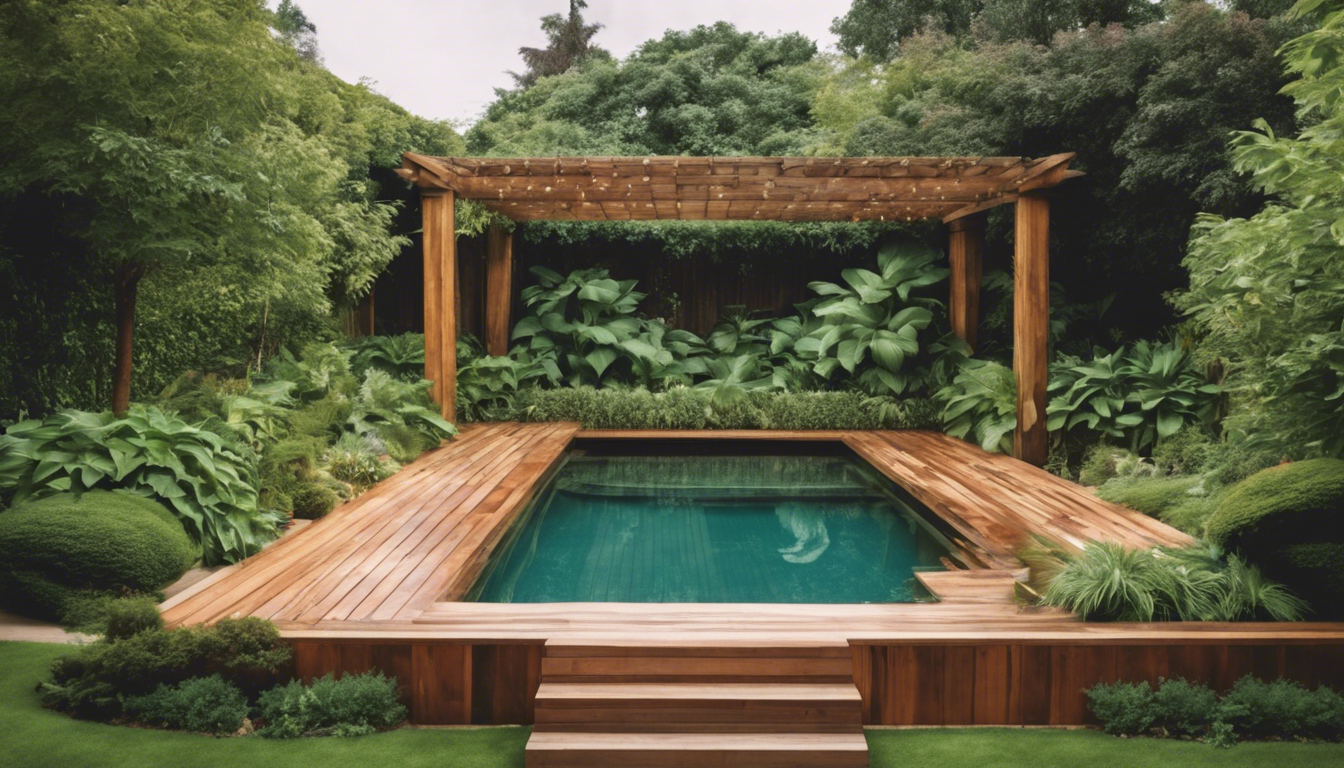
(201, 704)
(53, 548)
(1289, 520)
(688, 408)
(1287, 504)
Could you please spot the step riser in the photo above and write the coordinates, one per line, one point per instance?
(678, 717)
(695, 669)
(626, 758)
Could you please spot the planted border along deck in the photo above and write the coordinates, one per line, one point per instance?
(375, 584)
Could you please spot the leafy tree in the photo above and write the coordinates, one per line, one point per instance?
(294, 26)
(709, 91)
(196, 160)
(1268, 290)
(569, 42)
(875, 28)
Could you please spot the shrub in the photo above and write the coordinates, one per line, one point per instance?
(980, 405)
(351, 706)
(1122, 708)
(207, 482)
(99, 541)
(1183, 708)
(1188, 452)
(128, 617)
(313, 502)
(94, 681)
(1151, 495)
(1285, 520)
(1100, 463)
(685, 408)
(1258, 709)
(201, 704)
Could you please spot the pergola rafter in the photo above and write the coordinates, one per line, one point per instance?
(956, 190)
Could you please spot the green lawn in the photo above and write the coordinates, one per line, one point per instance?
(35, 738)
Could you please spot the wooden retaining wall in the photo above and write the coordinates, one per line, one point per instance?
(451, 683)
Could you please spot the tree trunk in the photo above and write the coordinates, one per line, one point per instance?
(127, 285)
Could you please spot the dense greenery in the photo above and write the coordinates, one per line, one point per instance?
(201, 704)
(1251, 709)
(1267, 292)
(53, 549)
(98, 680)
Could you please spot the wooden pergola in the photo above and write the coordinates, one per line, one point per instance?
(957, 190)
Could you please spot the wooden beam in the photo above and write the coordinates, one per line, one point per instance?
(965, 251)
(440, 250)
(1031, 325)
(975, 208)
(498, 289)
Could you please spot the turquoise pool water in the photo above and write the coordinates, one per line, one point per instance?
(714, 529)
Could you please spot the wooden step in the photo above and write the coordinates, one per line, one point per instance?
(699, 708)
(697, 750)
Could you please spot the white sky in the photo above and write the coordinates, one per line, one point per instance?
(442, 59)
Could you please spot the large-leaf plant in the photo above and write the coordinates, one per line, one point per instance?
(870, 326)
(209, 485)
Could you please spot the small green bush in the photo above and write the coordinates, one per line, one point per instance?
(1188, 452)
(128, 617)
(1190, 514)
(1123, 708)
(354, 705)
(312, 501)
(101, 541)
(201, 704)
(1288, 519)
(94, 681)
(1099, 463)
(1260, 710)
(1149, 495)
(1183, 708)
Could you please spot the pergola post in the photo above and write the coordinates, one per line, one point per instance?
(965, 249)
(1031, 325)
(498, 289)
(440, 246)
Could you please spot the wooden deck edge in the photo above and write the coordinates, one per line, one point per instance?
(820, 435)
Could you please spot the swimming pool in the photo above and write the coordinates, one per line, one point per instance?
(715, 528)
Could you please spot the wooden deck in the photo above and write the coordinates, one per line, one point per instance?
(377, 584)
(416, 538)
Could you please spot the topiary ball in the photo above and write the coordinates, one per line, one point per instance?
(100, 540)
(313, 501)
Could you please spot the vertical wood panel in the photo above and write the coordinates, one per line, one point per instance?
(504, 683)
(440, 278)
(992, 685)
(498, 289)
(958, 689)
(1074, 669)
(441, 691)
(965, 251)
(861, 656)
(395, 661)
(1036, 684)
(1031, 325)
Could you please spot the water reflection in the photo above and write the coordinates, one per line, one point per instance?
(809, 530)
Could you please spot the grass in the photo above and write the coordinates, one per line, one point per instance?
(37, 738)
(1042, 748)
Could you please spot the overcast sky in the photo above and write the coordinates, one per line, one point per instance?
(443, 59)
